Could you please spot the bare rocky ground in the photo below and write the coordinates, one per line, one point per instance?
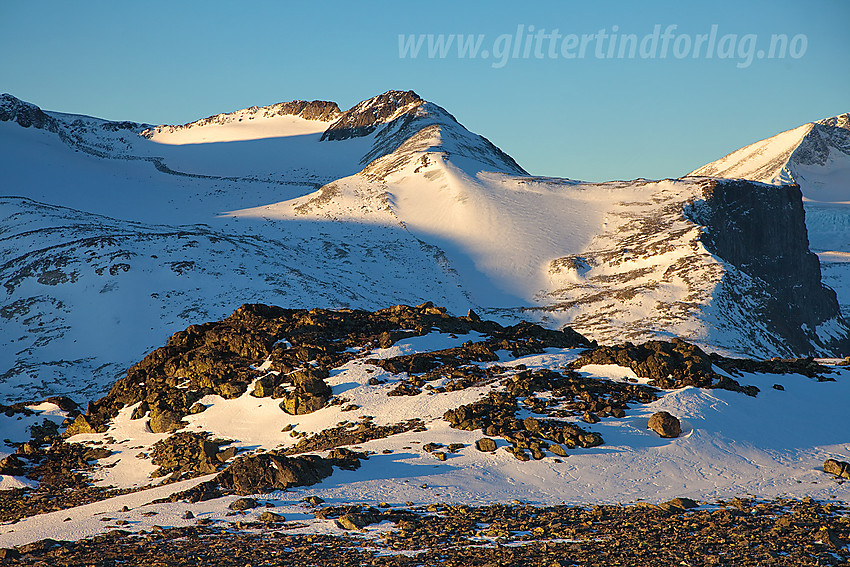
(740, 533)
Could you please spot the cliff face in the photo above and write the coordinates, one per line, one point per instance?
(24, 113)
(761, 230)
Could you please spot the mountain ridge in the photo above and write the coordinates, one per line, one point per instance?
(418, 208)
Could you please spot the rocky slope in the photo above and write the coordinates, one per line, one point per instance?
(414, 408)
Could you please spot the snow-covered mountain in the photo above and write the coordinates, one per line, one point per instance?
(117, 234)
(815, 156)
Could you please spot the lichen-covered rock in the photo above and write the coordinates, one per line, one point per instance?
(165, 421)
(79, 425)
(300, 403)
(840, 469)
(266, 472)
(486, 445)
(357, 520)
(189, 454)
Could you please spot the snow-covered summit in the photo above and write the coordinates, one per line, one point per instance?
(297, 117)
(815, 156)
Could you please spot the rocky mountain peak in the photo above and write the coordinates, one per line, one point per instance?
(363, 118)
(24, 113)
(840, 121)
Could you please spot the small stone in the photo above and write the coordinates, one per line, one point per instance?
(665, 424)
(486, 445)
(779, 387)
(188, 515)
(590, 417)
(314, 500)
(270, 517)
(440, 455)
(243, 504)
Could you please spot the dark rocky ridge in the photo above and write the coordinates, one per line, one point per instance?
(24, 113)
(309, 110)
(365, 117)
(217, 357)
(760, 229)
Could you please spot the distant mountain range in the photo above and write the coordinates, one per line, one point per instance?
(117, 234)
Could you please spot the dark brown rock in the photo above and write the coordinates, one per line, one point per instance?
(243, 504)
(252, 474)
(357, 521)
(665, 424)
(485, 445)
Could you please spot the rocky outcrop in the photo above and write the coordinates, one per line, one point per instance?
(189, 454)
(667, 364)
(365, 117)
(760, 230)
(24, 113)
(301, 347)
(267, 472)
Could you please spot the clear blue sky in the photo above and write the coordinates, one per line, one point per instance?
(585, 118)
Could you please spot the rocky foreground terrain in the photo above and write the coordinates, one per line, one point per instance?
(741, 532)
(526, 399)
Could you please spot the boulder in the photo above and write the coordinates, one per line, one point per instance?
(271, 517)
(678, 505)
(243, 504)
(558, 450)
(840, 469)
(164, 421)
(80, 425)
(300, 403)
(665, 424)
(12, 466)
(486, 445)
(252, 474)
(357, 520)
